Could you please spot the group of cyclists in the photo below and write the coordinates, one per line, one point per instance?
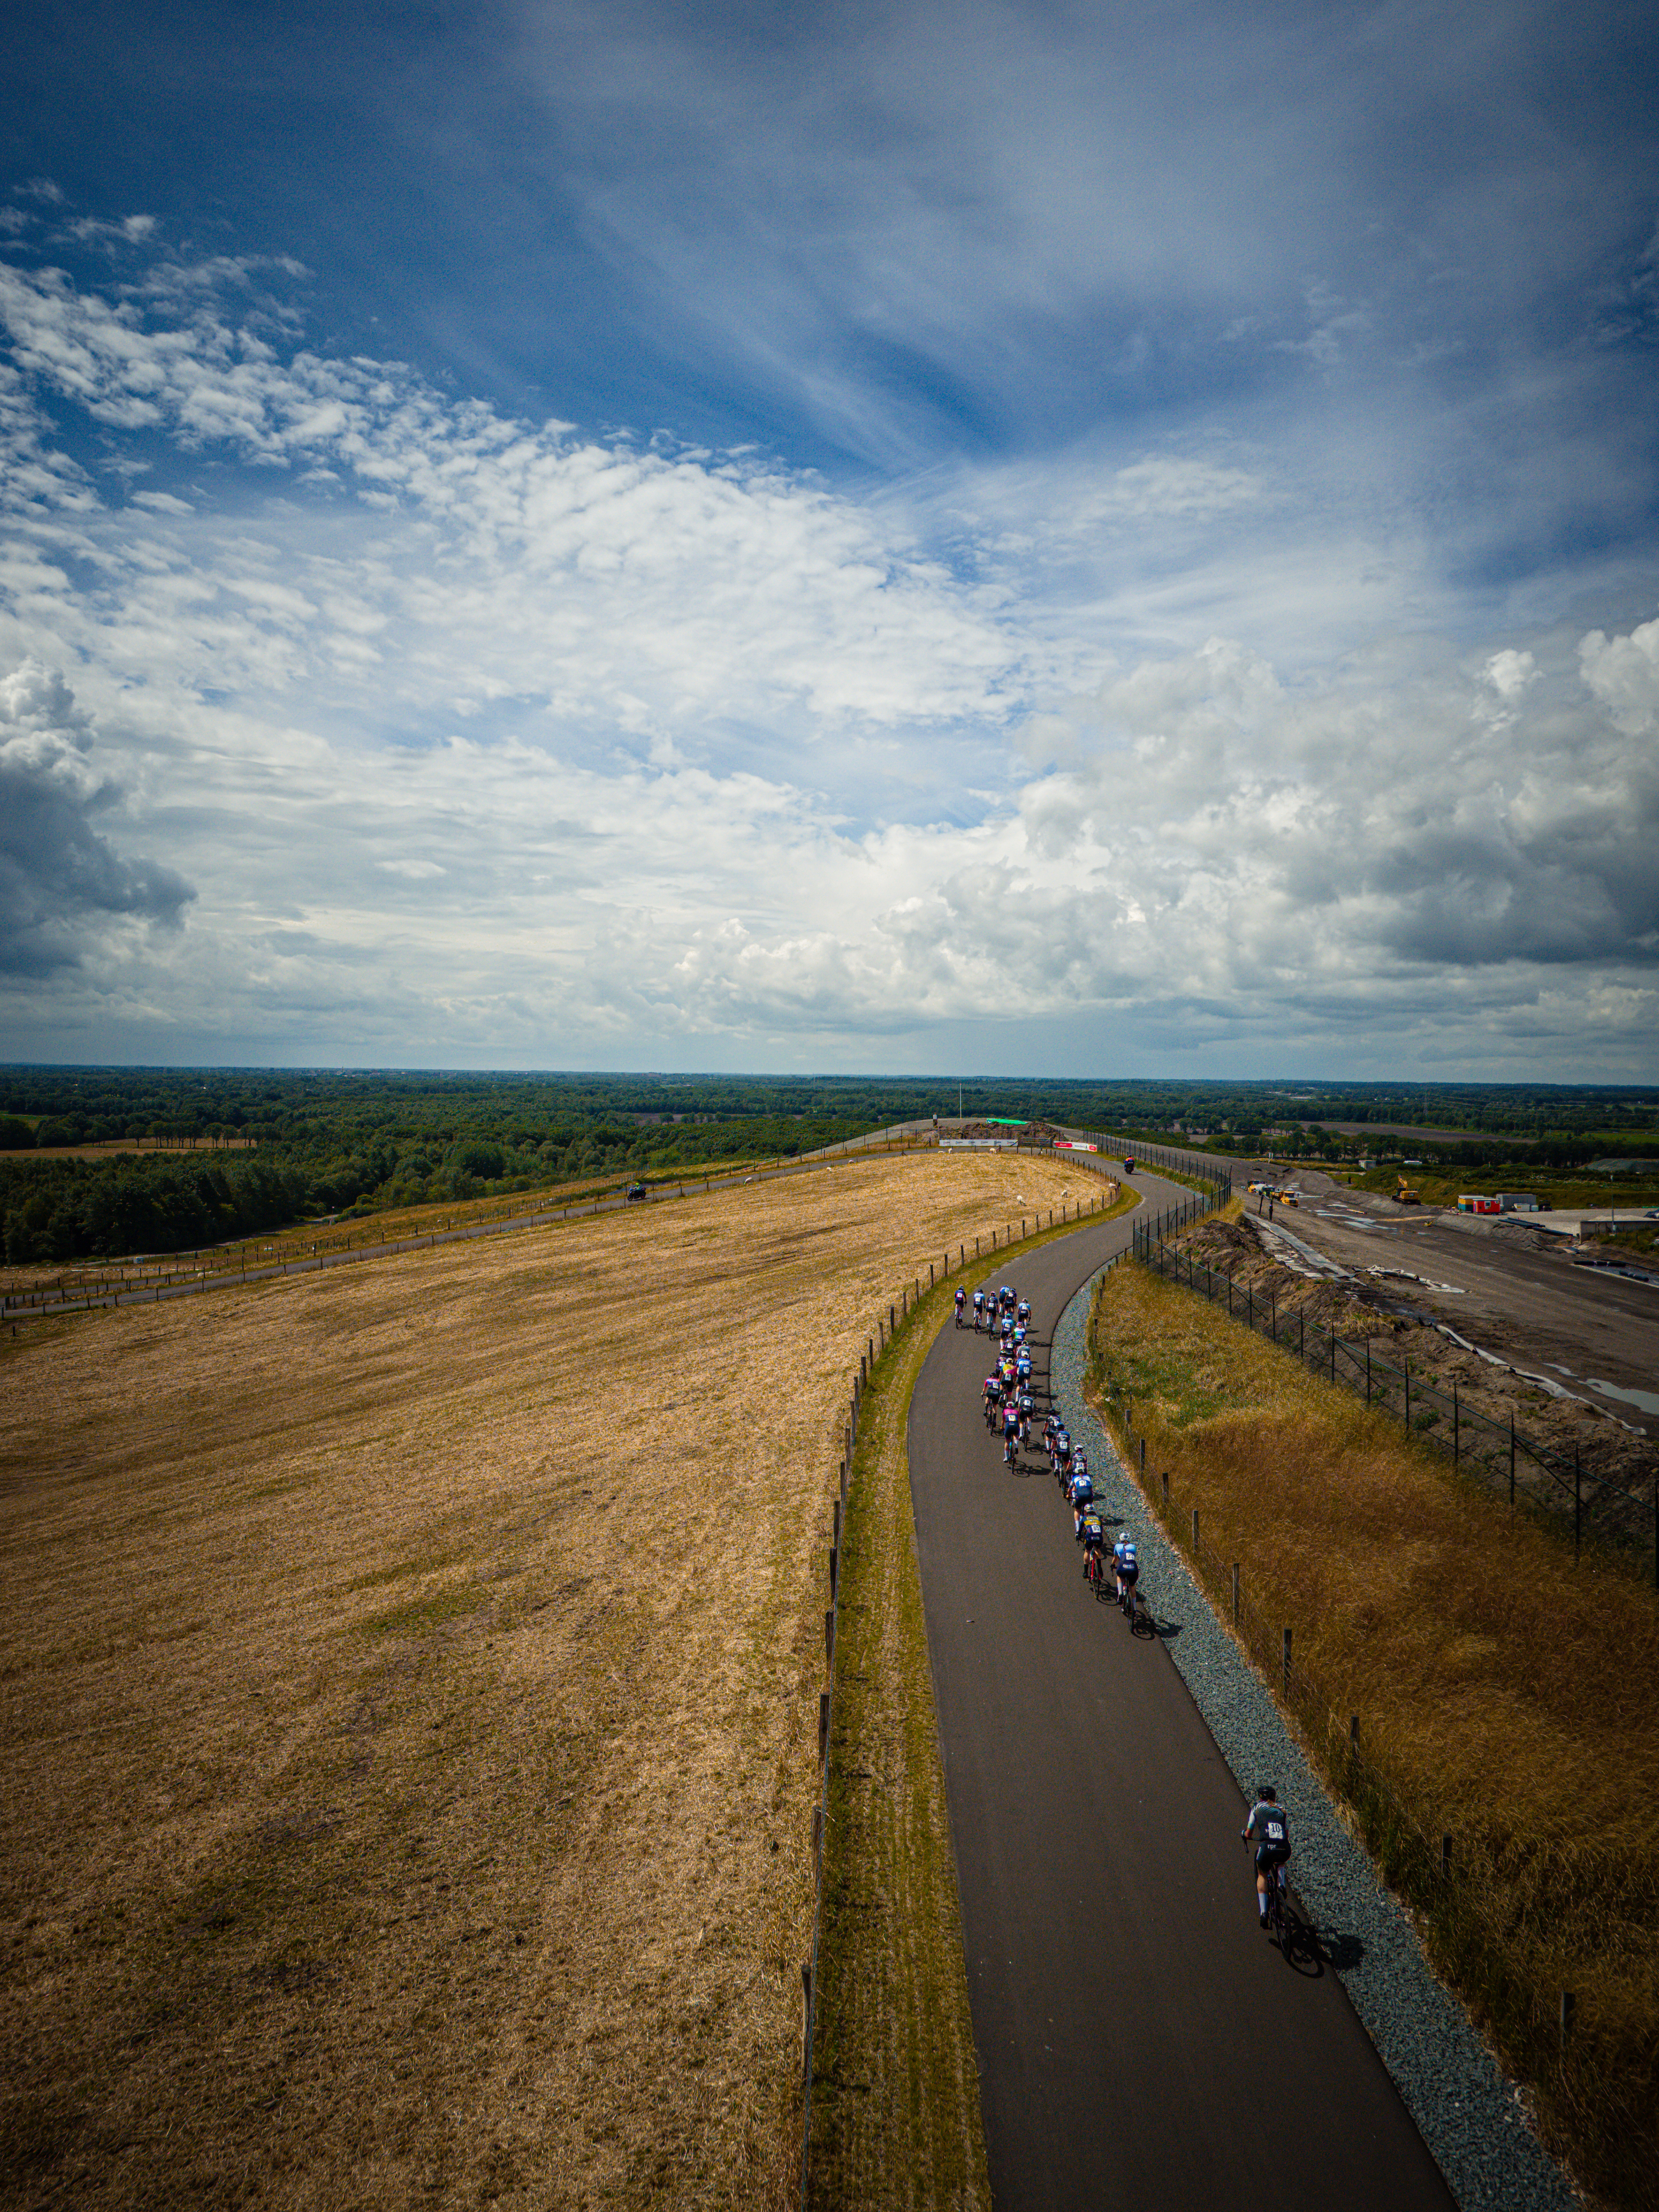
(1010, 1407)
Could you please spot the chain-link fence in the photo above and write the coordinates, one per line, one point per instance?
(1498, 1454)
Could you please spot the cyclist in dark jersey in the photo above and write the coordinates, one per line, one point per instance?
(1271, 1829)
(979, 1309)
(962, 1296)
(1094, 1539)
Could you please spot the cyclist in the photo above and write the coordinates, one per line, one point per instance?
(1010, 1434)
(1022, 1312)
(1063, 1452)
(979, 1310)
(992, 1395)
(1126, 1565)
(962, 1299)
(1081, 1490)
(1022, 1369)
(1271, 1829)
(1094, 1543)
(1027, 1408)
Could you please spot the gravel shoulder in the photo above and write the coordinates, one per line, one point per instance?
(1472, 2119)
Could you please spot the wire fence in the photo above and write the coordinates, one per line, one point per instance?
(1498, 1454)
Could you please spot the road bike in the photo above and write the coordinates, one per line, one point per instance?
(1281, 1920)
(1094, 1568)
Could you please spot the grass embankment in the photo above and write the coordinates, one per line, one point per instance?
(410, 1715)
(896, 2108)
(354, 1230)
(1505, 1698)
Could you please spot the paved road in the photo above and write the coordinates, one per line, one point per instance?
(1118, 1979)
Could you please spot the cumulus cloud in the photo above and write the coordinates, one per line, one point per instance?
(477, 738)
(61, 884)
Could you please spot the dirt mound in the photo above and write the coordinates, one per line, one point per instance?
(1361, 1311)
(1029, 1135)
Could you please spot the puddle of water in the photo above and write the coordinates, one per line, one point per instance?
(1646, 1401)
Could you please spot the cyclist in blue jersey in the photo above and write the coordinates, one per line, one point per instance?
(979, 1308)
(1270, 1829)
(1126, 1565)
(1022, 1312)
(1082, 1490)
(962, 1299)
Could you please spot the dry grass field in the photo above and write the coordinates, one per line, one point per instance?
(1506, 1695)
(409, 1708)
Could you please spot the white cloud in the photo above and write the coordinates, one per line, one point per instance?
(475, 738)
(1624, 674)
(63, 889)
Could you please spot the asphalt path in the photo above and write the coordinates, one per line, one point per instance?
(1139, 2040)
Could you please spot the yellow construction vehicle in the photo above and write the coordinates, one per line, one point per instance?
(1406, 1194)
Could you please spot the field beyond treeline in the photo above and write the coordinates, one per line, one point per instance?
(410, 1707)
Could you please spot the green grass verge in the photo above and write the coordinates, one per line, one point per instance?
(895, 2110)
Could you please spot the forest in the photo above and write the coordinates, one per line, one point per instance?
(274, 1145)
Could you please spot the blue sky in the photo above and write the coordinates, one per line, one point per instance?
(1036, 538)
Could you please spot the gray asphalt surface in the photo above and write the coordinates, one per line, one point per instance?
(1535, 1306)
(1118, 1978)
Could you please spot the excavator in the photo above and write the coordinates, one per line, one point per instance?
(1407, 1193)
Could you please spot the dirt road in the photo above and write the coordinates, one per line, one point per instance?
(1595, 1332)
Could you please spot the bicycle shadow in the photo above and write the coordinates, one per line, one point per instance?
(1331, 1947)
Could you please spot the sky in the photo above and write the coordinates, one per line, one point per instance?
(1039, 539)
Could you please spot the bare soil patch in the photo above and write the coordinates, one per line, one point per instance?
(410, 1707)
(1229, 1243)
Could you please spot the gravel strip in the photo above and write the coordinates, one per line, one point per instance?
(1472, 2121)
